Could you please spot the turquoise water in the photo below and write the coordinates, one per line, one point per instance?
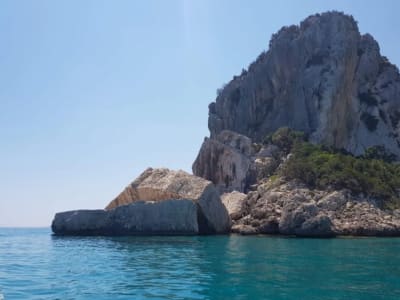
(36, 265)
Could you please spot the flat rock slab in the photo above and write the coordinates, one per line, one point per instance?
(170, 217)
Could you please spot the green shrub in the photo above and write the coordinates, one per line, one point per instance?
(379, 152)
(323, 169)
(285, 138)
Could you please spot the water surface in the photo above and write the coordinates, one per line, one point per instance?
(36, 265)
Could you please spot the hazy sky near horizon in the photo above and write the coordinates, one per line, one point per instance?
(94, 92)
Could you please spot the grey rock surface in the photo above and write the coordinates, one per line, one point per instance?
(322, 77)
(234, 203)
(170, 217)
(304, 220)
(290, 208)
(164, 184)
(81, 222)
(159, 201)
(224, 162)
(233, 162)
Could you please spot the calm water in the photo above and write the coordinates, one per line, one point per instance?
(36, 265)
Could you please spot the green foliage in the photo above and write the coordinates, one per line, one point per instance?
(379, 152)
(285, 138)
(273, 178)
(319, 168)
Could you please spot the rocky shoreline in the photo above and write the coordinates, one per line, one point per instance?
(292, 209)
(276, 207)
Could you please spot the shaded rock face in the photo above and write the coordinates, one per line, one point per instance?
(164, 184)
(225, 161)
(233, 162)
(290, 208)
(321, 77)
(82, 222)
(140, 218)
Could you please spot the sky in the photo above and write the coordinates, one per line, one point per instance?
(94, 92)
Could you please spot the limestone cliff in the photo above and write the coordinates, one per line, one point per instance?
(321, 77)
(326, 80)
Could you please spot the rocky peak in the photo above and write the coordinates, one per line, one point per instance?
(321, 77)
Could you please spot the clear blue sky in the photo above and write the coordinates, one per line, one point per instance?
(93, 92)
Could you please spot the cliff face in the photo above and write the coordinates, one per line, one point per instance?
(321, 77)
(325, 79)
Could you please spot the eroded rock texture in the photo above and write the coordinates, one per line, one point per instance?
(291, 208)
(169, 217)
(164, 184)
(322, 77)
(233, 162)
(159, 201)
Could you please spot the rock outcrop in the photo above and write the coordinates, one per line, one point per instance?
(164, 184)
(234, 203)
(233, 162)
(169, 217)
(323, 78)
(225, 161)
(291, 208)
(159, 201)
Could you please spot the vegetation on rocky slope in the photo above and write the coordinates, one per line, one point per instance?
(374, 174)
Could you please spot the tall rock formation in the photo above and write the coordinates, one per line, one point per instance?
(323, 78)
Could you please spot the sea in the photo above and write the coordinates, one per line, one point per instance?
(34, 264)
